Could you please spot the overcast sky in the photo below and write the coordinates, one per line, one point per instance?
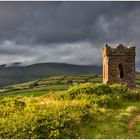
(69, 32)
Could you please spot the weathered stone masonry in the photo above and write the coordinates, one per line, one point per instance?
(119, 65)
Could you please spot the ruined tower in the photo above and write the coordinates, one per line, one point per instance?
(119, 65)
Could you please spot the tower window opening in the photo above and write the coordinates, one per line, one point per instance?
(121, 73)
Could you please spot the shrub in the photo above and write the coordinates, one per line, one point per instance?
(131, 96)
(88, 88)
(101, 89)
(99, 94)
(61, 120)
(52, 125)
(118, 89)
(13, 102)
(98, 89)
(33, 84)
(106, 101)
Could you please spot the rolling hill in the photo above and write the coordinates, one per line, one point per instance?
(17, 73)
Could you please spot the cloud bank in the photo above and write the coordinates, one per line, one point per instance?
(70, 32)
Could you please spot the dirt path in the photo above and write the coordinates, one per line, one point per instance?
(131, 124)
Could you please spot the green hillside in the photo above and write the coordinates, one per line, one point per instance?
(19, 74)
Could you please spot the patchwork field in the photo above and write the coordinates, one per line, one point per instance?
(51, 83)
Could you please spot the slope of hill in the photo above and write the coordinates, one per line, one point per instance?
(17, 74)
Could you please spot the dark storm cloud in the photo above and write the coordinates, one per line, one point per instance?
(56, 22)
(66, 31)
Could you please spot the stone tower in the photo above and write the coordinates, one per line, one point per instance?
(119, 65)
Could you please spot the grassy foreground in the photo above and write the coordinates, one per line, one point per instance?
(82, 111)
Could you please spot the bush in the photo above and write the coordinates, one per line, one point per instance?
(131, 96)
(38, 121)
(98, 89)
(118, 89)
(106, 101)
(12, 102)
(88, 88)
(34, 84)
(52, 125)
(99, 94)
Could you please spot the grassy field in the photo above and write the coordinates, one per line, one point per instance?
(42, 109)
(45, 85)
(52, 83)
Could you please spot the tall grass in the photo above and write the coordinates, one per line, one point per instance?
(97, 109)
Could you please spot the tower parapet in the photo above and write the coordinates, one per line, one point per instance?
(119, 50)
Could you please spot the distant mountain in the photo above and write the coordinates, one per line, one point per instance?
(16, 64)
(16, 73)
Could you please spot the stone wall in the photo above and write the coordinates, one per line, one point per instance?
(119, 65)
